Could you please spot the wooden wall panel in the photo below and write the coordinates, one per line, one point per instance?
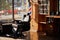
(36, 12)
(34, 18)
(34, 25)
(33, 11)
(41, 18)
(53, 5)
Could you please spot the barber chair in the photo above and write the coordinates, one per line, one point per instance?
(21, 27)
(6, 29)
(18, 26)
(25, 26)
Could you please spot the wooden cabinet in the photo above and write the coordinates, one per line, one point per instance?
(38, 19)
(52, 19)
(41, 18)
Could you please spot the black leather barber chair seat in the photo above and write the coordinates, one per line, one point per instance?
(21, 27)
(25, 26)
(7, 29)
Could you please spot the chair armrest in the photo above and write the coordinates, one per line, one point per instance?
(15, 25)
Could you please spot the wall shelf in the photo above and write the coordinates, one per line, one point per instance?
(43, 14)
(50, 16)
(43, 22)
(53, 16)
(56, 16)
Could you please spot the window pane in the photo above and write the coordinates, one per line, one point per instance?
(20, 7)
(6, 10)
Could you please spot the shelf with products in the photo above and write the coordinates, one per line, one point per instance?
(43, 7)
(47, 14)
(43, 12)
(53, 16)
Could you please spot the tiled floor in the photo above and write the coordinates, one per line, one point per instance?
(41, 37)
(9, 38)
(5, 38)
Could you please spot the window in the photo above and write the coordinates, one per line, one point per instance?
(15, 10)
(43, 6)
(5, 10)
